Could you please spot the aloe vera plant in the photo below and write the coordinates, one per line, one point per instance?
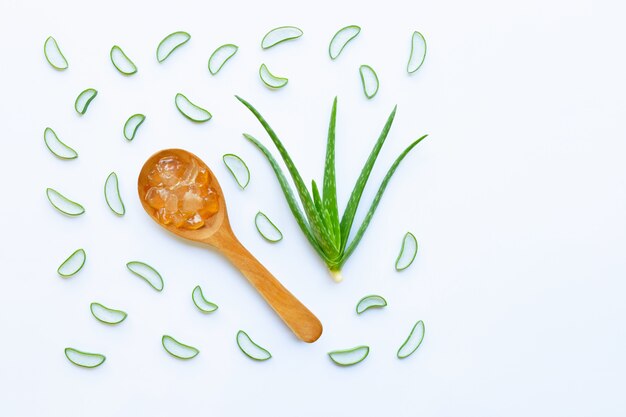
(320, 222)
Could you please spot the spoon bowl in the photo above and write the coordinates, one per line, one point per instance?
(217, 232)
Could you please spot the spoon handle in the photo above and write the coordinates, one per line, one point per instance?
(296, 316)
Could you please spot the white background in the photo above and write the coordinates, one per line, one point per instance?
(517, 198)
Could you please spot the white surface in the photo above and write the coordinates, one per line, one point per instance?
(518, 200)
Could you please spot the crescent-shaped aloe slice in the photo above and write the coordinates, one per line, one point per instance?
(58, 148)
(238, 168)
(64, 204)
(84, 99)
(341, 39)
(84, 359)
(267, 228)
(280, 35)
(191, 111)
(112, 195)
(251, 349)
(107, 315)
(132, 124)
(53, 54)
(370, 301)
(348, 357)
(418, 52)
(177, 349)
(202, 303)
(369, 79)
(122, 62)
(73, 263)
(147, 273)
(407, 252)
(270, 79)
(170, 43)
(220, 56)
(412, 342)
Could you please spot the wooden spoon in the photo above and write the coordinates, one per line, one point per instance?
(217, 233)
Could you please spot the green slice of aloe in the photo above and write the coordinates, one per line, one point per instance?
(177, 349)
(121, 61)
(56, 146)
(238, 168)
(267, 229)
(250, 348)
(280, 35)
(341, 39)
(408, 251)
(107, 315)
(132, 125)
(349, 357)
(64, 204)
(270, 79)
(370, 301)
(202, 303)
(84, 99)
(112, 195)
(418, 52)
(84, 359)
(369, 79)
(413, 341)
(73, 263)
(53, 54)
(220, 56)
(190, 110)
(170, 43)
(147, 273)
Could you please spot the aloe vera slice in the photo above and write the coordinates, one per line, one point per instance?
(418, 52)
(58, 148)
(73, 263)
(121, 61)
(413, 341)
(220, 56)
(84, 359)
(53, 54)
(202, 303)
(370, 301)
(369, 79)
(191, 111)
(407, 252)
(112, 195)
(64, 204)
(107, 315)
(279, 35)
(348, 357)
(170, 43)
(147, 273)
(84, 99)
(238, 168)
(341, 39)
(177, 349)
(266, 228)
(270, 79)
(132, 124)
(251, 349)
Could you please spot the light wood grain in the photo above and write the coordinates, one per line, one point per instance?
(218, 233)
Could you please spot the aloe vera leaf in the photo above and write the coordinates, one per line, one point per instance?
(289, 195)
(377, 197)
(329, 192)
(321, 235)
(353, 203)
